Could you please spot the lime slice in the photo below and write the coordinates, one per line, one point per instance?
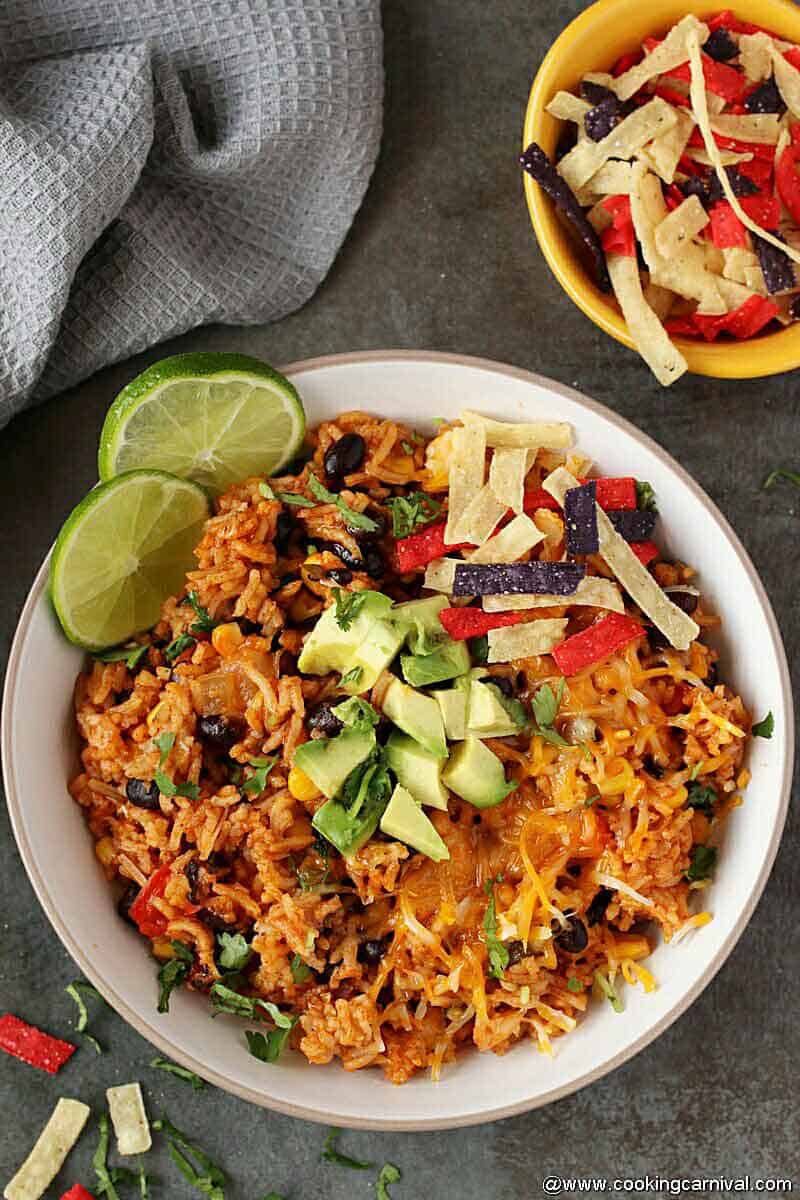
(213, 418)
(122, 552)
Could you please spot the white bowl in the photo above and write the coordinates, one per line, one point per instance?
(39, 749)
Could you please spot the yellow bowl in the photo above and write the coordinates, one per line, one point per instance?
(593, 42)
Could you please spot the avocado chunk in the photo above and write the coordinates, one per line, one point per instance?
(476, 774)
(419, 771)
(453, 707)
(329, 761)
(373, 655)
(329, 647)
(417, 715)
(419, 623)
(490, 714)
(446, 662)
(349, 820)
(405, 820)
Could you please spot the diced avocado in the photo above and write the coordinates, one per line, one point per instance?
(476, 774)
(417, 715)
(488, 715)
(373, 655)
(419, 771)
(328, 761)
(419, 621)
(453, 707)
(329, 647)
(349, 820)
(405, 820)
(446, 662)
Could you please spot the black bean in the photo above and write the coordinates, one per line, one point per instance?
(283, 531)
(143, 794)
(597, 909)
(348, 558)
(712, 678)
(657, 641)
(371, 535)
(501, 682)
(652, 767)
(765, 99)
(696, 185)
(686, 601)
(219, 731)
(323, 720)
(721, 46)
(373, 562)
(121, 697)
(213, 922)
(516, 950)
(573, 938)
(192, 873)
(341, 575)
(125, 901)
(372, 951)
(345, 456)
(247, 626)
(290, 577)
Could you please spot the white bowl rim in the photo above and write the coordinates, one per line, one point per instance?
(496, 1112)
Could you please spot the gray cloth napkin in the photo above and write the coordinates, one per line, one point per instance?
(169, 163)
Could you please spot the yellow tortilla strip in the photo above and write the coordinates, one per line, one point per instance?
(734, 294)
(626, 139)
(551, 435)
(440, 574)
(507, 472)
(566, 107)
(736, 261)
(592, 592)
(665, 152)
(614, 179)
(51, 1149)
(507, 546)
(787, 78)
(525, 641)
(680, 227)
(698, 96)
(466, 471)
(679, 629)
(664, 58)
(763, 129)
(481, 517)
(730, 158)
(651, 339)
(128, 1116)
(755, 56)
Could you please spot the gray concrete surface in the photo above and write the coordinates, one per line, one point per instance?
(442, 257)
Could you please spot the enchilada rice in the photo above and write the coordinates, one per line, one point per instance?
(492, 917)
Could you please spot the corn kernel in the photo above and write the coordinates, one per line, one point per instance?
(104, 849)
(301, 787)
(226, 639)
(162, 949)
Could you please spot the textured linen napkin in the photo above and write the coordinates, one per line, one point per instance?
(169, 163)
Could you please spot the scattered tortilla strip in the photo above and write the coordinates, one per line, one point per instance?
(645, 123)
(566, 107)
(665, 152)
(736, 261)
(715, 103)
(660, 299)
(734, 294)
(52, 1147)
(128, 1116)
(729, 158)
(651, 339)
(551, 435)
(679, 629)
(600, 77)
(787, 78)
(481, 517)
(761, 129)
(525, 641)
(440, 574)
(681, 226)
(754, 281)
(671, 53)
(519, 536)
(592, 592)
(507, 476)
(614, 179)
(698, 96)
(755, 56)
(466, 472)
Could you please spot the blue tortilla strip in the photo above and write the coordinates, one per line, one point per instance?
(635, 525)
(595, 93)
(538, 166)
(766, 99)
(605, 116)
(776, 267)
(518, 579)
(580, 517)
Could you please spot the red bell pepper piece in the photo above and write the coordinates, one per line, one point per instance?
(620, 238)
(596, 643)
(77, 1192)
(788, 180)
(726, 228)
(463, 623)
(625, 63)
(29, 1044)
(720, 79)
(646, 551)
(151, 922)
(422, 548)
(726, 20)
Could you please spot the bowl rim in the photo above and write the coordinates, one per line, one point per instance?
(756, 358)
(498, 1112)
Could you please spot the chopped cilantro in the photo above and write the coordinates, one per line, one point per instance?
(172, 973)
(285, 497)
(545, 705)
(348, 606)
(645, 496)
(266, 490)
(774, 476)
(407, 447)
(574, 985)
(300, 971)
(605, 986)
(701, 797)
(165, 741)
(389, 1173)
(258, 780)
(696, 769)
(332, 1155)
(234, 951)
(765, 728)
(212, 1180)
(356, 714)
(590, 800)
(132, 655)
(702, 864)
(352, 677)
(498, 954)
(226, 1000)
(356, 520)
(182, 642)
(163, 1064)
(105, 1183)
(74, 990)
(204, 623)
(268, 1047)
(408, 512)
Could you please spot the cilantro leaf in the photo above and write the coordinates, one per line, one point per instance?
(235, 951)
(590, 800)
(356, 520)
(765, 728)
(352, 677)
(74, 990)
(702, 865)
(105, 1184)
(498, 953)
(172, 973)
(165, 741)
(389, 1173)
(696, 769)
(204, 623)
(545, 705)
(258, 780)
(356, 714)
(226, 1000)
(574, 985)
(774, 476)
(605, 986)
(701, 796)
(348, 606)
(182, 642)
(163, 1064)
(212, 1182)
(645, 496)
(407, 447)
(132, 655)
(268, 1047)
(285, 497)
(409, 512)
(300, 971)
(332, 1155)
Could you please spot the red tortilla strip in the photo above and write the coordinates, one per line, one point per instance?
(77, 1192)
(594, 644)
(645, 551)
(463, 623)
(29, 1044)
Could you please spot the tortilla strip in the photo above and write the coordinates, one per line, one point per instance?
(440, 574)
(552, 435)
(566, 107)
(680, 227)
(481, 517)
(614, 179)
(525, 641)
(649, 335)
(49, 1152)
(671, 53)
(507, 546)
(592, 591)
(665, 152)
(730, 158)
(755, 56)
(787, 78)
(128, 1116)
(635, 131)
(466, 472)
(762, 129)
(507, 476)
